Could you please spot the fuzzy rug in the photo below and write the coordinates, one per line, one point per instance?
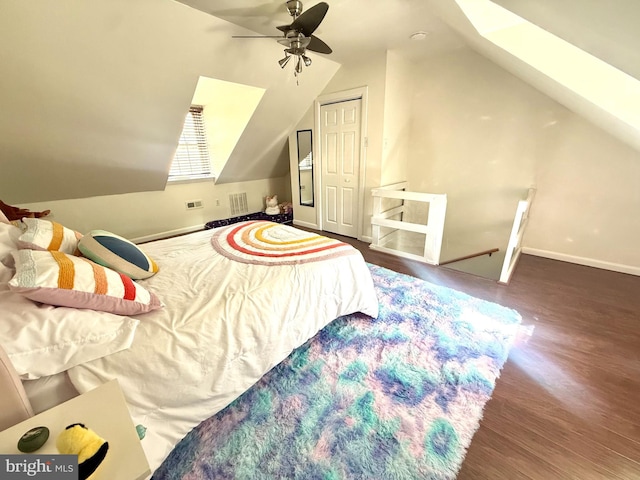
(399, 397)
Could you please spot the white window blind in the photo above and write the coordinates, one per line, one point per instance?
(192, 160)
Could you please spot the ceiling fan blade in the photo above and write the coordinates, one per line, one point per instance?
(310, 19)
(284, 28)
(317, 45)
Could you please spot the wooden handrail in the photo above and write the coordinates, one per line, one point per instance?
(473, 255)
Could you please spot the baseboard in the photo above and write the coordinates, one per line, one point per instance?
(589, 262)
(300, 223)
(167, 234)
(366, 239)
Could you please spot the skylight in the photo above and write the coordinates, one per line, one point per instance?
(598, 82)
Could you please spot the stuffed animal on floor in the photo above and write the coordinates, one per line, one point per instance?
(272, 206)
(16, 213)
(79, 440)
(286, 207)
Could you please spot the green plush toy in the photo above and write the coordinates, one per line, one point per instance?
(79, 440)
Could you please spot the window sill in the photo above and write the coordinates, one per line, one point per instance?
(179, 181)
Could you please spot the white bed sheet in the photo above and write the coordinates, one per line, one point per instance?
(224, 325)
(47, 392)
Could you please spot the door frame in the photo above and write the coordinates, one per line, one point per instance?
(360, 93)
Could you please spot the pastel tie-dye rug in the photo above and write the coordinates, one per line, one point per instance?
(399, 397)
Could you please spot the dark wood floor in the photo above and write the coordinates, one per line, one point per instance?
(567, 405)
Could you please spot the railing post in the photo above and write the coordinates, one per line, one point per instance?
(435, 226)
(514, 246)
(377, 209)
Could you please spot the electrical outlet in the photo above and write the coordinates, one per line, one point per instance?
(191, 204)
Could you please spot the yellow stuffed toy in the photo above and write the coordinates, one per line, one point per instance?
(77, 439)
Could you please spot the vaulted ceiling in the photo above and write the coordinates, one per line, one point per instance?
(606, 30)
(93, 94)
(354, 28)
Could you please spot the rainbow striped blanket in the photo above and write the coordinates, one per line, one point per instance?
(266, 243)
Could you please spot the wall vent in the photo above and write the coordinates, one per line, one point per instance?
(191, 204)
(238, 202)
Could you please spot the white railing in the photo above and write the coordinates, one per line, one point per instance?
(514, 247)
(433, 230)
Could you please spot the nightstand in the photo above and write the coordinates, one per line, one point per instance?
(104, 411)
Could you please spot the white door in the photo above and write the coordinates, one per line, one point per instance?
(340, 158)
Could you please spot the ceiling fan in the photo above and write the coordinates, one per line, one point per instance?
(298, 36)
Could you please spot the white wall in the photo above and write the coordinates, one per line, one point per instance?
(483, 136)
(474, 136)
(586, 208)
(370, 73)
(398, 119)
(137, 215)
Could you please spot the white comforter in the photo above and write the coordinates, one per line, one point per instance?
(225, 324)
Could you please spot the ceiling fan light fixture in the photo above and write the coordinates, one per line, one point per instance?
(298, 36)
(284, 61)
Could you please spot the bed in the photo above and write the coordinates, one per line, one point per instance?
(234, 302)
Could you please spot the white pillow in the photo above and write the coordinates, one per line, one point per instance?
(43, 340)
(8, 242)
(41, 234)
(56, 278)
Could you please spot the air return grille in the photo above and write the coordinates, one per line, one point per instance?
(238, 202)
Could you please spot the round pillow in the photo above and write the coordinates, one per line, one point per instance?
(117, 253)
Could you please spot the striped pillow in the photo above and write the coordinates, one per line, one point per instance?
(48, 235)
(56, 278)
(117, 253)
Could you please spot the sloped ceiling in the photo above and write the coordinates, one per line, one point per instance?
(94, 94)
(607, 30)
(604, 111)
(356, 28)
